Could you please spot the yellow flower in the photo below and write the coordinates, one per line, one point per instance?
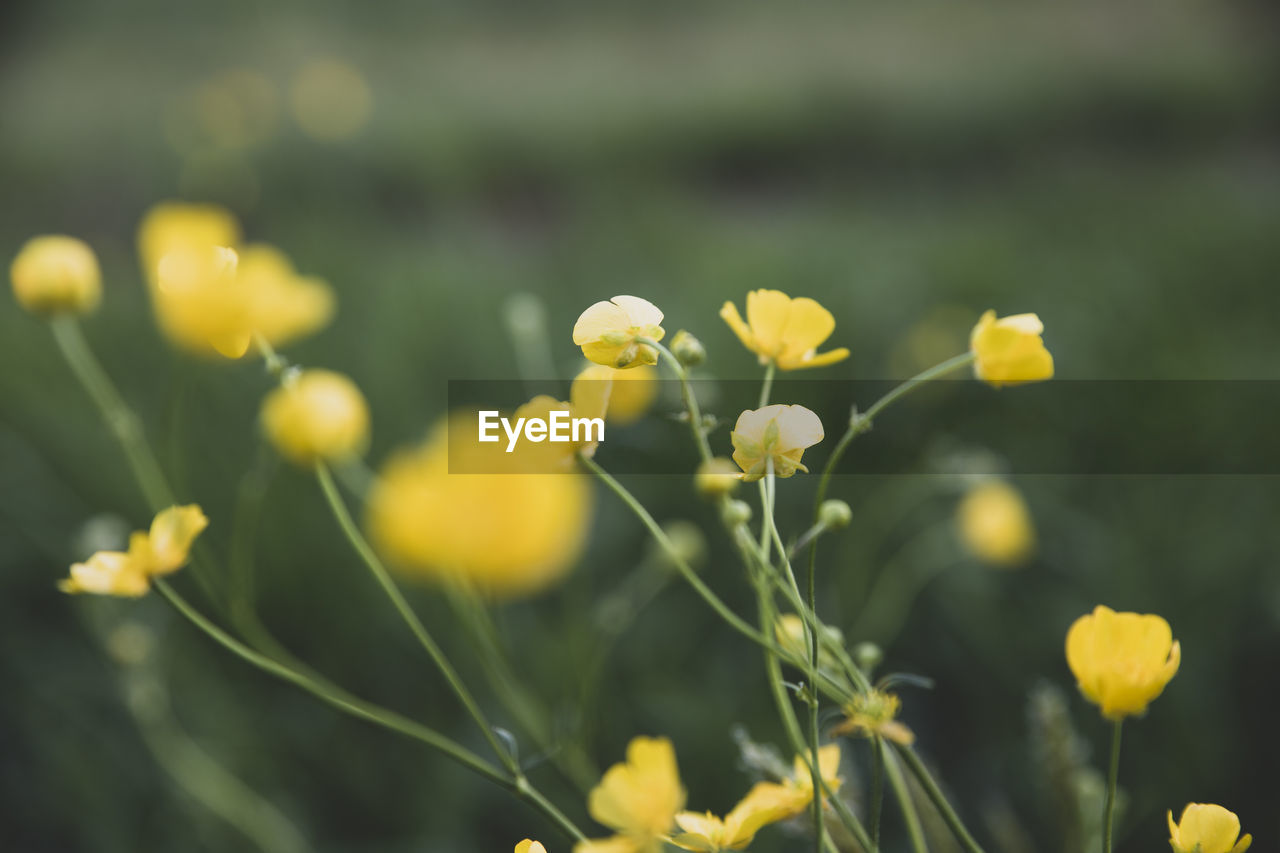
(875, 713)
(215, 298)
(632, 391)
(716, 477)
(638, 799)
(529, 846)
(1122, 661)
(780, 433)
(163, 550)
(794, 794)
(1010, 350)
(995, 525)
(55, 274)
(608, 332)
(783, 330)
(317, 415)
(507, 533)
(173, 227)
(1207, 829)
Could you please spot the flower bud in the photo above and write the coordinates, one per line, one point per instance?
(867, 656)
(716, 477)
(834, 515)
(55, 274)
(736, 512)
(687, 542)
(688, 349)
(319, 416)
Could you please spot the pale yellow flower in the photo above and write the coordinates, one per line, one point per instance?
(1010, 350)
(215, 299)
(316, 416)
(1207, 829)
(530, 846)
(507, 533)
(631, 393)
(793, 795)
(995, 525)
(778, 433)
(875, 713)
(1122, 661)
(638, 799)
(783, 330)
(55, 274)
(161, 551)
(608, 332)
(174, 227)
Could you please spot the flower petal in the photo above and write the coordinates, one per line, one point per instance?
(767, 313)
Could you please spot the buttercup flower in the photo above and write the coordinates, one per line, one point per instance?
(638, 799)
(55, 274)
(1122, 661)
(793, 795)
(995, 525)
(777, 432)
(783, 330)
(214, 298)
(173, 227)
(317, 416)
(709, 834)
(608, 332)
(1207, 829)
(503, 531)
(529, 846)
(875, 713)
(1010, 350)
(161, 551)
(631, 392)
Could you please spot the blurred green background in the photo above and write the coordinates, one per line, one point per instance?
(1112, 167)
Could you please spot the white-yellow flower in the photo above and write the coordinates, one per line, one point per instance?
(610, 332)
(775, 433)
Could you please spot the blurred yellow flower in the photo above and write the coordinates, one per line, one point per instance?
(1010, 350)
(995, 525)
(638, 799)
(631, 394)
(608, 332)
(777, 432)
(331, 100)
(530, 846)
(506, 532)
(56, 274)
(173, 227)
(875, 713)
(783, 330)
(708, 833)
(215, 298)
(793, 795)
(1207, 829)
(1122, 661)
(315, 416)
(161, 551)
(716, 477)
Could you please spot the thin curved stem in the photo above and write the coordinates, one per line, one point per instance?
(383, 577)
(877, 785)
(690, 400)
(939, 800)
(915, 831)
(767, 385)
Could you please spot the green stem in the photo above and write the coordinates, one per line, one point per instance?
(686, 571)
(690, 401)
(767, 385)
(860, 422)
(939, 800)
(383, 577)
(877, 785)
(1113, 776)
(909, 814)
(369, 712)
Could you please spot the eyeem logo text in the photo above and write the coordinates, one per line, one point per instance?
(558, 426)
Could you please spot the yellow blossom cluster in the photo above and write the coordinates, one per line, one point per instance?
(161, 550)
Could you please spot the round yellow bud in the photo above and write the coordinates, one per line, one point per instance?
(318, 416)
(716, 477)
(55, 274)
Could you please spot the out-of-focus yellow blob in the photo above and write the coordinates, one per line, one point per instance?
(638, 798)
(530, 846)
(506, 533)
(995, 525)
(162, 550)
(317, 416)
(331, 100)
(175, 227)
(55, 274)
(632, 392)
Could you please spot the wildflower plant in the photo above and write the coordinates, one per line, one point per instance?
(483, 524)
